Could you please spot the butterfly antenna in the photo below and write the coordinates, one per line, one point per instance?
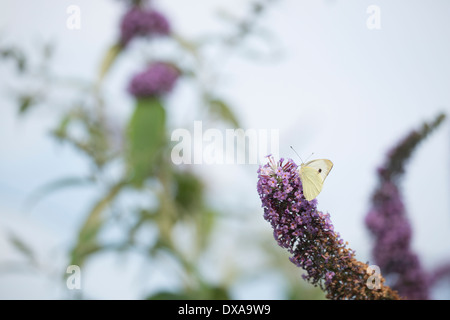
(297, 154)
(309, 156)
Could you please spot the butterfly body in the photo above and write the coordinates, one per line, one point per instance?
(313, 174)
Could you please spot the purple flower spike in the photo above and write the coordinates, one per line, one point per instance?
(309, 236)
(142, 22)
(389, 224)
(158, 79)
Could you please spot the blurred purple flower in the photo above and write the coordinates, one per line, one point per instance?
(388, 222)
(142, 22)
(392, 251)
(309, 236)
(159, 78)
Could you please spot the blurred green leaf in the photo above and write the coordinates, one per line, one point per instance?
(189, 198)
(57, 185)
(21, 246)
(87, 236)
(144, 216)
(93, 136)
(97, 144)
(185, 43)
(223, 111)
(205, 224)
(61, 131)
(189, 192)
(16, 55)
(303, 291)
(108, 60)
(25, 102)
(215, 293)
(146, 133)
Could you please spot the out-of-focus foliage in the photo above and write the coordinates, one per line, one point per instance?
(141, 146)
(145, 140)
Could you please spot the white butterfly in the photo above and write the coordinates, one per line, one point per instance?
(313, 174)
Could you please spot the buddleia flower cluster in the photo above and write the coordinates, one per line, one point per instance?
(309, 236)
(142, 22)
(157, 79)
(389, 223)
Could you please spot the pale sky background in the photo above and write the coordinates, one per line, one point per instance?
(337, 89)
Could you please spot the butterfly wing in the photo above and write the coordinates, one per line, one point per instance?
(313, 174)
(312, 182)
(322, 167)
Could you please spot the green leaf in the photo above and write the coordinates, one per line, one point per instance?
(146, 137)
(57, 185)
(61, 131)
(21, 246)
(17, 55)
(188, 192)
(87, 237)
(25, 102)
(215, 293)
(205, 223)
(108, 61)
(223, 111)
